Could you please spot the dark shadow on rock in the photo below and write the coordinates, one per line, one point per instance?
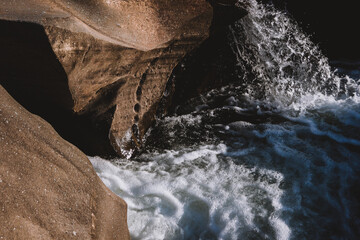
(32, 74)
(211, 66)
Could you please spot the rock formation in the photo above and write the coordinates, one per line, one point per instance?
(137, 79)
(142, 25)
(109, 61)
(49, 189)
(117, 55)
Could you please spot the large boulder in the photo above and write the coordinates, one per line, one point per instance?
(103, 76)
(117, 55)
(143, 25)
(49, 189)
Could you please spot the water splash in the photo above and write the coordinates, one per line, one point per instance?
(279, 62)
(278, 160)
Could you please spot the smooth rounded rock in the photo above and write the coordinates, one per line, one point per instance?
(49, 189)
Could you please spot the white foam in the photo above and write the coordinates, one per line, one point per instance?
(268, 183)
(191, 193)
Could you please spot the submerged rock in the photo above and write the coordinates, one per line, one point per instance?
(49, 189)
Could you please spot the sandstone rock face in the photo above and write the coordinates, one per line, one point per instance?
(49, 189)
(118, 55)
(131, 80)
(143, 25)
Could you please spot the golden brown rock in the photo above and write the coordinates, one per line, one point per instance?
(136, 78)
(101, 43)
(49, 189)
(143, 25)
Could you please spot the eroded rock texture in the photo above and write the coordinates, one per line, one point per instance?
(49, 189)
(34, 77)
(103, 75)
(143, 25)
(118, 55)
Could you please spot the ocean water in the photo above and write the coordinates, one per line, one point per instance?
(274, 156)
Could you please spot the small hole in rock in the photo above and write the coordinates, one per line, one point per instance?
(137, 107)
(138, 91)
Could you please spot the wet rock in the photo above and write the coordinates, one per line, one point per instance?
(49, 189)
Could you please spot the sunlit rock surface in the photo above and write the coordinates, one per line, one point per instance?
(118, 55)
(49, 189)
(143, 25)
(104, 76)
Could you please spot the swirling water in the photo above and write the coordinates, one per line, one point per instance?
(275, 156)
